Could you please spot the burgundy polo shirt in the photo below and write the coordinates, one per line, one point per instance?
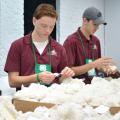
(21, 58)
(75, 52)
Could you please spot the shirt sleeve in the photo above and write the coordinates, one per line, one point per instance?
(13, 59)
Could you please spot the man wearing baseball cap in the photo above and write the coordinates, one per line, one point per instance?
(84, 50)
(94, 14)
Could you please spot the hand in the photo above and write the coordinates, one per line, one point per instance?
(67, 72)
(46, 77)
(103, 62)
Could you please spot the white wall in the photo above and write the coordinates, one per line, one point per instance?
(11, 26)
(5, 88)
(71, 16)
(112, 32)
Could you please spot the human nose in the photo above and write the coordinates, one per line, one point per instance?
(48, 30)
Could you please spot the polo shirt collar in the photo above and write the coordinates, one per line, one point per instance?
(83, 36)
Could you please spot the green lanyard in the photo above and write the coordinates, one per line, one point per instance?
(83, 47)
(91, 72)
(49, 55)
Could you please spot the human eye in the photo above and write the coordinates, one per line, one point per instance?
(44, 26)
(96, 25)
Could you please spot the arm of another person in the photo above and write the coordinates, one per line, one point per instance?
(70, 47)
(99, 64)
(79, 70)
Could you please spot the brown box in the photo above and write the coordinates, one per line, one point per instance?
(114, 110)
(25, 106)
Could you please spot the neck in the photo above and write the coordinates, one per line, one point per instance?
(37, 38)
(84, 31)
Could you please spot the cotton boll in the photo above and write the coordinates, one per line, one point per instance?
(99, 117)
(73, 88)
(67, 80)
(72, 81)
(44, 113)
(33, 92)
(37, 86)
(95, 101)
(59, 113)
(7, 110)
(32, 118)
(56, 97)
(21, 117)
(64, 111)
(78, 99)
(102, 109)
(89, 111)
(96, 116)
(96, 80)
(54, 86)
(116, 84)
(41, 110)
(112, 100)
(69, 111)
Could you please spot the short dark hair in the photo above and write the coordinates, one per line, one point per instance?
(45, 10)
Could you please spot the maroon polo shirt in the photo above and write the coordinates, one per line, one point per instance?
(21, 58)
(75, 53)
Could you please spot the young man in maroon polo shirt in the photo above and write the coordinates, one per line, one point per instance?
(36, 56)
(83, 48)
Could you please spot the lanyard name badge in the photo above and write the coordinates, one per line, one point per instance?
(91, 72)
(42, 67)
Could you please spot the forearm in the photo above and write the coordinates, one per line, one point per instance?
(79, 70)
(18, 81)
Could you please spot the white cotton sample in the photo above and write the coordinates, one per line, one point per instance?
(34, 92)
(7, 110)
(102, 109)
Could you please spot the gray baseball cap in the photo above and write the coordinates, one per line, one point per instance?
(94, 14)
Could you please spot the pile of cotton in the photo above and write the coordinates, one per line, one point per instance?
(102, 92)
(34, 92)
(7, 110)
(56, 94)
(99, 92)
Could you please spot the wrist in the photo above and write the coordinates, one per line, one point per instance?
(37, 78)
(40, 81)
(92, 65)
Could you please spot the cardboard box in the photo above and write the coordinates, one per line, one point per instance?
(114, 110)
(25, 106)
